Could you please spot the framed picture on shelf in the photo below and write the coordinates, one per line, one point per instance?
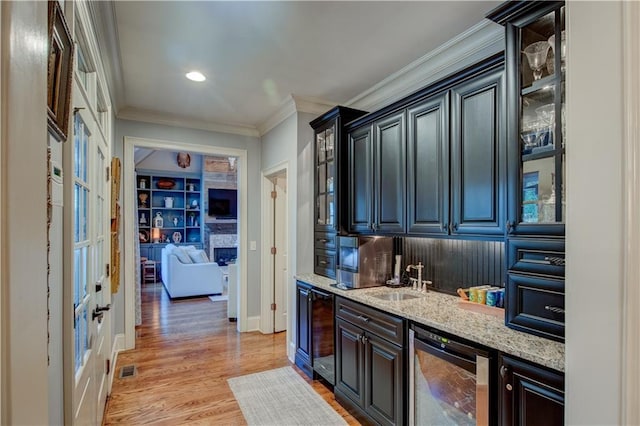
(59, 72)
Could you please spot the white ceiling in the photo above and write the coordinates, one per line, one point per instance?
(257, 54)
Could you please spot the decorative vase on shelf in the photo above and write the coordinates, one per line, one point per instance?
(175, 221)
(143, 199)
(177, 237)
(158, 221)
(143, 219)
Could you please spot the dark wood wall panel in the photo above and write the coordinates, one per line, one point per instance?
(451, 264)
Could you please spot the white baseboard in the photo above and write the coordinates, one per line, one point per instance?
(253, 323)
(118, 345)
(292, 352)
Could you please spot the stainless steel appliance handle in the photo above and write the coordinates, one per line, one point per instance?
(412, 378)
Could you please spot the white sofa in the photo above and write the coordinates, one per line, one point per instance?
(188, 279)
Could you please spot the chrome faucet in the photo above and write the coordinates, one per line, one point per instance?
(419, 267)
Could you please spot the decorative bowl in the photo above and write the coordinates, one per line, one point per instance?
(166, 183)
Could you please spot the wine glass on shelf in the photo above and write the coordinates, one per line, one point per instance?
(537, 57)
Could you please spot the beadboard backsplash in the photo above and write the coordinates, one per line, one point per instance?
(451, 264)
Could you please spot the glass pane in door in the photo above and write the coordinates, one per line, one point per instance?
(330, 142)
(537, 56)
(539, 193)
(445, 394)
(320, 147)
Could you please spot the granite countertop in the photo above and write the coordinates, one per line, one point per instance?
(441, 311)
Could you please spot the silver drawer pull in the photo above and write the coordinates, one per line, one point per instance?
(556, 261)
(554, 309)
(363, 318)
(323, 262)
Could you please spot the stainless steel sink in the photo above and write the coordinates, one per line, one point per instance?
(395, 296)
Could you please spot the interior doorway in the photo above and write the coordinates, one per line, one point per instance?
(275, 250)
(128, 183)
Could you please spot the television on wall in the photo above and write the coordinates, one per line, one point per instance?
(223, 203)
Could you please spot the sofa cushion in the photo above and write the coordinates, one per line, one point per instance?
(182, 255)
(198, 256)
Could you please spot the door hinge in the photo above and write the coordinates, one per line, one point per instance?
(273, 250)
(108, 173)
(274, 194)
(108, 367)
(107, 270)
(273, 306)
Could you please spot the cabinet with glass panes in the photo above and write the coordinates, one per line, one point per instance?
(328, 214)
(536, 48)
(536, 51)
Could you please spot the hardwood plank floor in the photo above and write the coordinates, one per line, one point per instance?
(186, 349)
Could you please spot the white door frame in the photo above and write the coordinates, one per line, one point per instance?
(266, 289)
(128, 174)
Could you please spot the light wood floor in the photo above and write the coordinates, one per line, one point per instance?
(185, 351)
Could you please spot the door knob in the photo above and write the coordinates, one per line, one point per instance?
(103, 308)
(97, 315)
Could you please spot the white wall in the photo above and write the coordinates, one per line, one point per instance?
(305, 202)
(594, 213)
(24, 229)
(166, 160)
(205, 138)
(291, 141)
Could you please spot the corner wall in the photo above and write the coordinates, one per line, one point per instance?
(24, 227)
(594, 213)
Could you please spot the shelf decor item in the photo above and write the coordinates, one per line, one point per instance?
(59, 73)
(176, 237)
(143, 196)
(166, 183)
(158, 221)
(537, 57)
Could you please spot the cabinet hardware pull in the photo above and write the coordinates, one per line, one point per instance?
(503, 371)
(554, 309)
(556, 261)
(445, 226)
(365, 339)
(509, 387)
(455, 227)
(323, 262)
(324, 240)
(450, 228)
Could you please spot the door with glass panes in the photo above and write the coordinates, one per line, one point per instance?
(91, 244)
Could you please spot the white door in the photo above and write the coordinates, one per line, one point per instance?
(91, 295)
(280, 258)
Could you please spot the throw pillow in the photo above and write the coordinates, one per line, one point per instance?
(198, 256)
(182, 255)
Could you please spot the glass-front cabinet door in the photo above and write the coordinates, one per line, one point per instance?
(325, 216)
(537, 45)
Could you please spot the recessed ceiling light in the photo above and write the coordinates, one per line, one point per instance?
(196, 76)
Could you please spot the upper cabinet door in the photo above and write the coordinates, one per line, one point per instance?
(478, 156)
(360, 193)
(428, 166)
(390, 174)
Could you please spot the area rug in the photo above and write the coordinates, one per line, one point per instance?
(219, 297)
(281, 397)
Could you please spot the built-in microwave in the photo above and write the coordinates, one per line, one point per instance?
(364, 261)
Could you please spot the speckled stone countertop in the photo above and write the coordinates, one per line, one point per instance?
(441, 311)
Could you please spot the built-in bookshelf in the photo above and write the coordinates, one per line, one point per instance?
(169, 208)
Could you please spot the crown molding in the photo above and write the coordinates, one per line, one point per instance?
(478, 42)
(146, 116)
(291, 105)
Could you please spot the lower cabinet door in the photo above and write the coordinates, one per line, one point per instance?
(350, 361)
(530, 395)
(384, 381)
